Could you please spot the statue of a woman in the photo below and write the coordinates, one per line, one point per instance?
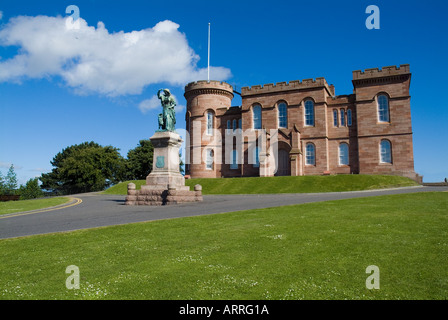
(167, 119)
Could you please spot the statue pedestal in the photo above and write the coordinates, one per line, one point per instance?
(165, 184)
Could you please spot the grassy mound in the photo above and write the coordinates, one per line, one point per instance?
(303, 184)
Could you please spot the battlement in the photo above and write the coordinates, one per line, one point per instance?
(212, 84)
(384, 72)
(285, 86)
(208, 87)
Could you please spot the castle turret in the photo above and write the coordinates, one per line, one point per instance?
(205, 99)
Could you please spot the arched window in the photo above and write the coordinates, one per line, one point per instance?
(309, 113)
(343, 154)
(282, 115)
(385, 151)
(342, 118)
(257, 116)
(335, 118)
(234, 125)
(349, 117)
(209, 123)
(310, 158)
(210, 159)
(383, 108)
(240, 124)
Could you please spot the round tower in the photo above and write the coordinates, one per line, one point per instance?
(206, 102)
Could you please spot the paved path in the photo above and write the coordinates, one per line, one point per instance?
(104, 210)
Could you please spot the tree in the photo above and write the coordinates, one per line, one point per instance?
(85, 167)
(181, 165)
(10, 182)
(2, 184)
(31, 190)
(139, 161)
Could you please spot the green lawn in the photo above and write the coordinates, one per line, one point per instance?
(309, 251)
(303, 184)
(28, 205)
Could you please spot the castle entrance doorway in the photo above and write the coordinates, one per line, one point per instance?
(284, 168)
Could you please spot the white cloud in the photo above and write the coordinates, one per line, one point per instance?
(179, 108)
(149, 104)
(93, 60)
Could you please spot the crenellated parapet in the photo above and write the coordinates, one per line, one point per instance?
(389, 71)
(208, 87)
(287, 86)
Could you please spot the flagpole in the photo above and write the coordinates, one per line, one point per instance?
(208, 67)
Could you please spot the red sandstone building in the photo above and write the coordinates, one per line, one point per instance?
(315, 131)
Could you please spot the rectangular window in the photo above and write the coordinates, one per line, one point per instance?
(234, 163)
(309, 113)
(257, 157)
(342, 118)
(343, 154)
(310, 156)
(349, 117)
(209, 123)
(282, 115)
(257, 117)
(335, 118)
(383, 109)
(385, 151)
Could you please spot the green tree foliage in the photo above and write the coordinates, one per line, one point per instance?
(2, 184)
(139, 161)
(31, 190)
(85, 167)
(9, 183)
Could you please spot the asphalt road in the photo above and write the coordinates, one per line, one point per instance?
(97, 210)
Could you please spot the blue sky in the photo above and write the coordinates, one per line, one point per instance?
(49, 99)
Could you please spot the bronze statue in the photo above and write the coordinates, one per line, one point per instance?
(167, 119)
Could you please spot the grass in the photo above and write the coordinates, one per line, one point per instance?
(28, 205)
(309, 251)
(302, 184)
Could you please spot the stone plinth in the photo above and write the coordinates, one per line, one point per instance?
(164, 185)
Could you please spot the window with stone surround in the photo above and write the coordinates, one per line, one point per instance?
(309, 113)
(209, 123)
(342, 117)
(282, 115)
(335, 118)
(256, 113)
(310, 156)
(349, 117)
(385, 151)
(256, 157)
(234, 163)
(343, 154)
(383, 108)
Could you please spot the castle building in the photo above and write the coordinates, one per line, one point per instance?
(314, 132)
